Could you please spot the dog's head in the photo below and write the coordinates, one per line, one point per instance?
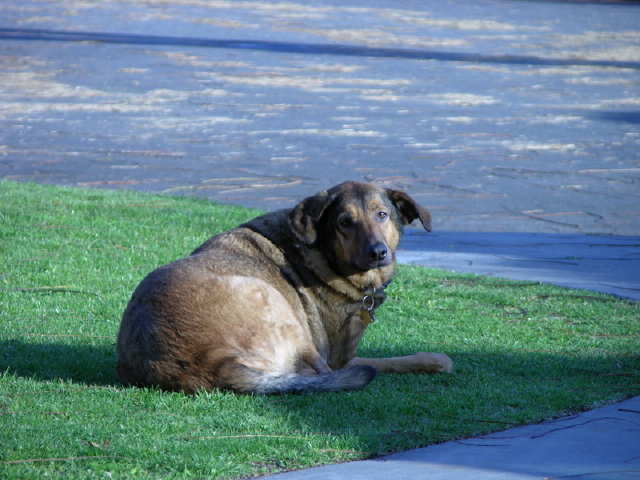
(357, 226)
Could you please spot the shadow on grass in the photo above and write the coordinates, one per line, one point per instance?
(95, 365)
(491, 392)
(488, 392)
(79, 363)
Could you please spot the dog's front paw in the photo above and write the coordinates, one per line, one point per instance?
(435, 362)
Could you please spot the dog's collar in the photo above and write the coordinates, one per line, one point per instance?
(372, 298)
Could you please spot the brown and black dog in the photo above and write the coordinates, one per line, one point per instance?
(276, 305)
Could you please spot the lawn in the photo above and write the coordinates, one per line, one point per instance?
(69, 260)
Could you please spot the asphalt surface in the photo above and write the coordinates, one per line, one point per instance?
(500, 116)
(517, 123)
(602, 263)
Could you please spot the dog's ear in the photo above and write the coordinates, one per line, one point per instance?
(408, 209)
(305, 216)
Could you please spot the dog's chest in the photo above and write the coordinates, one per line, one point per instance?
(342, 328)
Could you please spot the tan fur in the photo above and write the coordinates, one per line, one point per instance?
(274, 305)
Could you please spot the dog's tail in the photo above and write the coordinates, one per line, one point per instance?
(351, 378)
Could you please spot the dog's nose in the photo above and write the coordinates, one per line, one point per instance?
(378, 251)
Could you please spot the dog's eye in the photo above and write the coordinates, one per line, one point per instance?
(345, 221)
(382, 215)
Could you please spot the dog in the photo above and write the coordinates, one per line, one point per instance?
(277, 305)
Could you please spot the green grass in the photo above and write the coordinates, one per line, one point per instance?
(70, 259)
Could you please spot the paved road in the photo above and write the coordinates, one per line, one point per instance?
(500, 116)
(516, 122)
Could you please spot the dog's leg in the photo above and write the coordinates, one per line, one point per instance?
(421, 362)
(315, 361)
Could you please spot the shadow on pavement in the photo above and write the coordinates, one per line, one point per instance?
(305, 48)
(613, 116)
(626, 3)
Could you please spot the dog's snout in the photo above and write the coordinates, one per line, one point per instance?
(378, 251)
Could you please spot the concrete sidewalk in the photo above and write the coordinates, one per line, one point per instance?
(602, 444)
(602, 263)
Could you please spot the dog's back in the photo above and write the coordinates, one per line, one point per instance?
(226, 317)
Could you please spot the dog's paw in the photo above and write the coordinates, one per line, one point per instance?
(435, 362)
(445, 362)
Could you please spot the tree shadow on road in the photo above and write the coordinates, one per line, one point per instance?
(302, 48)
(614, 116)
